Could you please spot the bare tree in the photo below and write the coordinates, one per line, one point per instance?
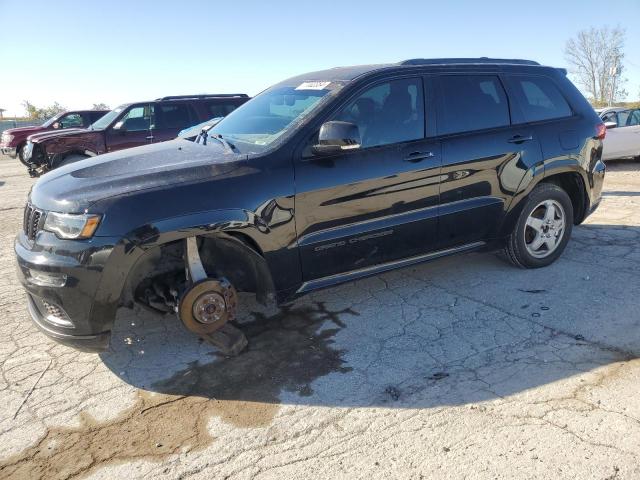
(595, 57)
(100, 106)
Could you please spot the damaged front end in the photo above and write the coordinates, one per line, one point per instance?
(36, 158)
(197, 279)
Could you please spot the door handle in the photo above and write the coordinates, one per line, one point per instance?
(150, 137)
(520, 139)
(416, 157)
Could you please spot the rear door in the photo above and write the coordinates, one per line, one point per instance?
(132, 129)
(483, 156)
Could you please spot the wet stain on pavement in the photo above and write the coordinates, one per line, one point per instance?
(286, 353)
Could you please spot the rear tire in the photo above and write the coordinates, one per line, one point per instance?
(543, 228)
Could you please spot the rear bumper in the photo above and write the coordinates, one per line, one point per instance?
(10, 151)
(596, 182)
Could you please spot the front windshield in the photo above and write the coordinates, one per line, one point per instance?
(52, 120)
(104, 121)
(257, 124)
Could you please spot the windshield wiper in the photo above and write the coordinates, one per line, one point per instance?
(227, 144)
(204, 134)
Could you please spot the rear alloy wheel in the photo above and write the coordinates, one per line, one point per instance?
(543, 229)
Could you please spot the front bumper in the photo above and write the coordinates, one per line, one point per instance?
(85, 343)
(10, 151)
(82, 317)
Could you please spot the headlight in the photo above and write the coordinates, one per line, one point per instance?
(6, 138)
(67, 225)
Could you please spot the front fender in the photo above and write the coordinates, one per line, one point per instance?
(130, 250)
(171, 229)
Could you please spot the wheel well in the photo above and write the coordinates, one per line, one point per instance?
(233, 256)
(573, 184)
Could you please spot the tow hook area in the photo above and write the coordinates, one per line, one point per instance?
(208, 304)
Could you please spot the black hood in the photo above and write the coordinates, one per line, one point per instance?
(73, 188)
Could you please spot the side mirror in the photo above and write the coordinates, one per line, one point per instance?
(57, 125)
(337, 136)
(610, 124)
(120, 127)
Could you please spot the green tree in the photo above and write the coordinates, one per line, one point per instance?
(36, 113)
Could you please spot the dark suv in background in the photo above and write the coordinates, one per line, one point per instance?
(323, 178)
(126, 126)
(14, 140)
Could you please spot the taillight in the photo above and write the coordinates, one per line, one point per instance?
(601, 131)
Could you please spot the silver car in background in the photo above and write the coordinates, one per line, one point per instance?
(623, 132)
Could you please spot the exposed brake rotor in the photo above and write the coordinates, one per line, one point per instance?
(207, 305)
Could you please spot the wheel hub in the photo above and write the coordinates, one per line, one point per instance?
(208, 305)
(544, 228)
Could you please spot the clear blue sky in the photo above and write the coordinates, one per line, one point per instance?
(84, 52)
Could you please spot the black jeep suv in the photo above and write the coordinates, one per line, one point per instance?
(323, 178)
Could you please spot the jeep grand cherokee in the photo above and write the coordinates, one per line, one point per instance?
(323, 178)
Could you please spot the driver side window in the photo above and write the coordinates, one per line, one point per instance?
(137, 119)
(387, 113)
(610, 117)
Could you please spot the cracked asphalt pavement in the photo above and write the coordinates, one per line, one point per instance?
(461, 368)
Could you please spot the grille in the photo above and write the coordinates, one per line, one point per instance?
(32, 220)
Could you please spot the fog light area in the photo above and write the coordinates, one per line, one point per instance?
(47, 279)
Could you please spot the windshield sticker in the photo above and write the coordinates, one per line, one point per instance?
(313, 85)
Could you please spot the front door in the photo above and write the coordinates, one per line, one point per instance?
(377, 203)
(132, 129)
(484, 157)
(623, 140)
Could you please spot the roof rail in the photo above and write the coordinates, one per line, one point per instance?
(201, 96)
(448, 61)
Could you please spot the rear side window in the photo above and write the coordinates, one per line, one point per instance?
(93, 116)
(472, 102)
(172, 116)
(540, 99)
(220, 109)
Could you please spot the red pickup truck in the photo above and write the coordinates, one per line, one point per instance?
(14, 140)
(129, 125)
